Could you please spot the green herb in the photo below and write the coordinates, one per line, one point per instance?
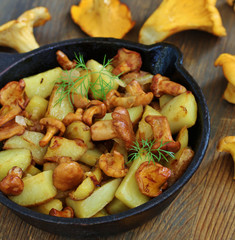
(147, 146)
(69, 85)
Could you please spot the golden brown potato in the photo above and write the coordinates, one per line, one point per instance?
(96, 201)
(38, 189)
(42, 84)
(14, 157)
(29, 140)
(62, 147)
(181, 111)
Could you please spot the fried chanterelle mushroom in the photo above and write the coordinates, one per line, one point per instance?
(227, 61)
(100, 18)
(18, 34)
(174, 16)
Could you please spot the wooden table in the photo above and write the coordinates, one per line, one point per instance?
(205, 208)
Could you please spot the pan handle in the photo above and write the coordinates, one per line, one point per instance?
(7, 59)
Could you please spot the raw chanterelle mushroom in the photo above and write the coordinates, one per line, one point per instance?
(102, 18)
(18, 34)
(174, 16)
(227, 61)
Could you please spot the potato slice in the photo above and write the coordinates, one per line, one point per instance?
(79, 129)
(87, 187)
(101, 213)
(49, 166)
(38, 189)
(102, 81)
(42, 84)
(58, 109)
(91, 156)
(37, 107)
(62, 147)
(32, 170)
(96, 201)
(14, 157)
(116, 206)
(182, 137)
(128, 192)
(181, 111)
(84, 190)
(164, 99)
(46, 207)
(28, 140)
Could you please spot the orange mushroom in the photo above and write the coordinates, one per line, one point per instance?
(95, 109)
(13, 93)
(113, 164)
(152, 178)
(100, 18)
(163, 85)
(162, 133)
(173, 16)
(126, 61)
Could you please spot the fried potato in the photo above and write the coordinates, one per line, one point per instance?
(116, 206)
(42, 84)
(91, 156)
(46, 207)
(38, 189)
(37, 107)
(80, 130)
(96, 201)
(128, 192)
(29, 140)
(181, 111)
(14, 157)
(63, 147)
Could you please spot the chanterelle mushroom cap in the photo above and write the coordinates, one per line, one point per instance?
(18, 34)
(103, 18)
(174, 16)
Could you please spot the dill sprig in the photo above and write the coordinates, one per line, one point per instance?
(147, 145)
(68, 84)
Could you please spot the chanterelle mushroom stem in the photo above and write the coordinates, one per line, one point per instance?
(53, 126)
(18, 34)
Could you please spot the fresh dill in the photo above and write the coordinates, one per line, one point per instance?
(70, 84)
(150, 151)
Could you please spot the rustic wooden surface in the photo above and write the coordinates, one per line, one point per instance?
(205, 208)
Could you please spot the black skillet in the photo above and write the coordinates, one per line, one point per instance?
(160, 58)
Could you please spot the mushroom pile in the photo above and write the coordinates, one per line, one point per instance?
(93, 139)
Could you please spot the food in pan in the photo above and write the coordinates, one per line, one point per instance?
(90, 139)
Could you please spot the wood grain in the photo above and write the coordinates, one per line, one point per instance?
(205, 208)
